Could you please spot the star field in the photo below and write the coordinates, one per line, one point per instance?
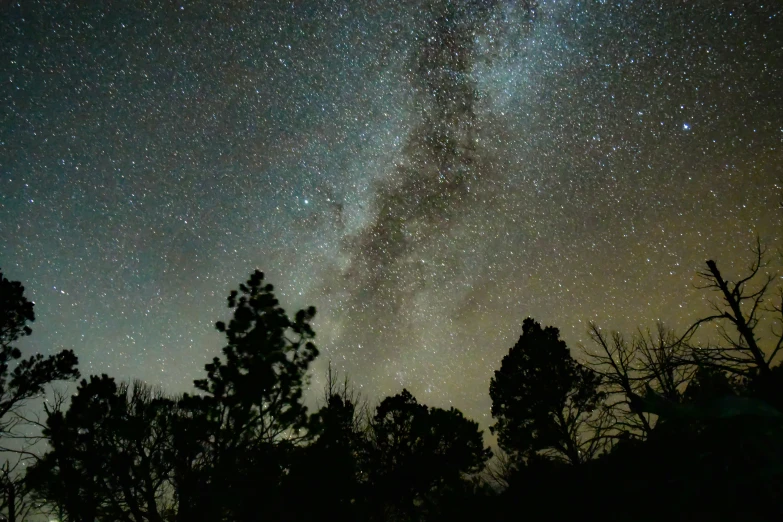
(425, 177)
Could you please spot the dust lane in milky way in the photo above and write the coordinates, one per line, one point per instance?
(426, 173)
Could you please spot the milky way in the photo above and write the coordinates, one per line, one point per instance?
(426, 174)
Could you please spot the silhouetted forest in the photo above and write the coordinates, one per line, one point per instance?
(655, 426)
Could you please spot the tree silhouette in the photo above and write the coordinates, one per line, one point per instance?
(420, 453)
(15, 312)
(542, 399)
(235, 438)
(715, 454)
(29, 376)
(108, 457)
(742, 307)
(687, 425)
(658, 359)
(22, 380)
(17, 501)
(329, 468)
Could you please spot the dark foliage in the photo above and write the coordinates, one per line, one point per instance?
(29, 376)
(15, 312)
(542, 398)
(108, 458)
(21, 381)
(233, 443)
(330, 468)
(260, 381)
(419, 454)
(657, 428)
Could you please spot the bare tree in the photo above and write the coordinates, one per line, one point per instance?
(499, 469)
(657, 359)
(738, 314)
(342, 388)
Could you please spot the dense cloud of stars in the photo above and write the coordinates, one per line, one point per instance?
(152, 154)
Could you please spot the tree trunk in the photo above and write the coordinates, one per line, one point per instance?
(11, 501)
(738, 318)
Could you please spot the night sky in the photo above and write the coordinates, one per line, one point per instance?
(427, 175)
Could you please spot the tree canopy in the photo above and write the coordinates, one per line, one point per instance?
(22, 380)
(696, 426)
(542, 398)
